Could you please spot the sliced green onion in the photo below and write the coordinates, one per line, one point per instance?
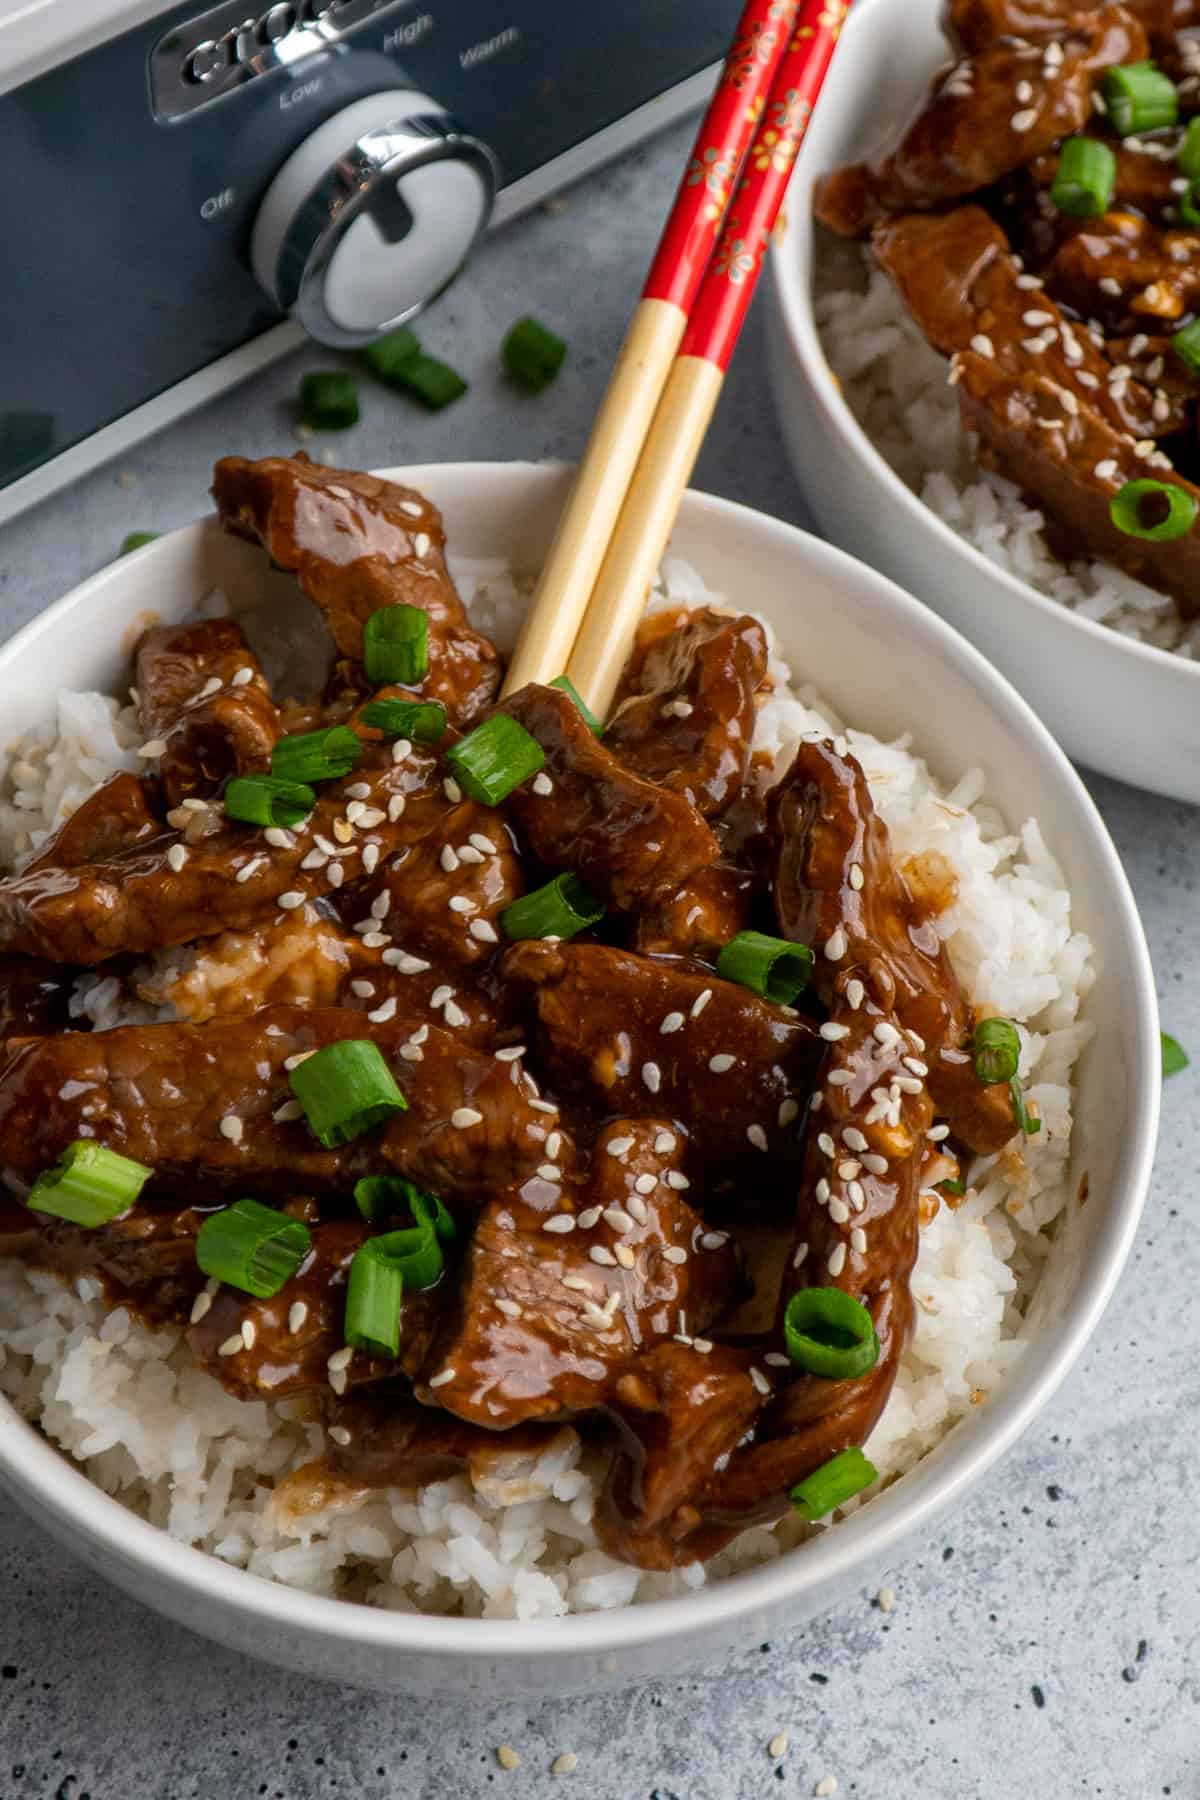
(346, 1089)
(1126, 510)
(829, 1333)
(957, 1188)
(833, 1484)
(389, 356)
(589, 718)
(88, 1185)
(415, 1251)
(1025, 1121)
(266, 800)
(328, 401)
(136, 539)
(1139, 98)
(324, 755)
(494, 759)
(558, 910)
(421, 721)
(435, 384)
(1186, 343)
(996, 1048)
(252, 1247)
(1086, 178)
(396, 644)
(770, 966)
(381, 1196)
(532, 354)
(374, 1296)
(1174, 1056)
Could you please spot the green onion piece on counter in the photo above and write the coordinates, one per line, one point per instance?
(1086, 178)
(266, 800)
(558, 910)
(435, 384)
(770, 966)
(1174, 1056)
(532, 354)
(996, 1048)
(374, 1295)
(396, 644)
(328, 401)
(88, 1185)
(1186, 345)
(957, 1188)
(833, 1484)
(252, 1247)
(1025, 1120)
(346, 1089)
(324, 755)
(379, 1196)
(389, 356)
(829, 1333)
(1175, 522)
(589, 718)
(1139, 98)
(1187, 157)
(136, 539)
(494, 759)
(422, 721)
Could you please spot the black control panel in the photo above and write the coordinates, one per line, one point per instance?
(133, 174)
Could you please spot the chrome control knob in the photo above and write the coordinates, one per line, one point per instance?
(372, 216)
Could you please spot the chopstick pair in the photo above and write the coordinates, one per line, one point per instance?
(671, 366)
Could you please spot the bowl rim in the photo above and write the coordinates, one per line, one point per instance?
(793, 262)
(42, 1474)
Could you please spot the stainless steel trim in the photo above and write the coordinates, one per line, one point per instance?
(346, 190)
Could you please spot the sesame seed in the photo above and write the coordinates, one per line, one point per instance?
(507, 1757)
(856, 993)
(483, 843)
(413, 508)
(839, 1212)
(757, 1136)
(779, 1743)
(721, 1062)
(713, 1240)
(664, 1143)
(700, 1002)
(982, 344)
(401, 749)
(1029, 281)
(676, 1179)
(509, 1307)
(854, 1138)
(421, 544)
(886, 1033)
(291, 900)
(200, 1305)
(856, 1195)
(856, 876)
(619, 1146)
(600, 1253)
(672, 1022)
(760, 1381)
(801, 1256)
(1106, 470)
(407, 964)
(637, 1207)
(483, 931)
(908, 1084)
(301, 1056)
(674, 1254)
(241, 677)
(375, 940)
(546, 1106)
(645, 1184)
(395, 807)
(232, 1128)
(566, 1764)
(297, 1314)
(652, 1076)
(826, 1787)
(549, 1171)
(835, 945)
(231, 1346)
(826, 1145)
(858, 1240)
(625, 1256)
(463, 1117)
(440, 1380)
(776, 1360)
(176, 856)
(449, 859)
(840, 1077)
(250, 868)
(542, 784)
(1108, 285)
(837, 1259)
(249, 1333)
(618, 1218)
(291, 1109)
(832, 1032)
(915, 1064)
(370, 858)
(588, 1217)
(153, 748)
(339, 1434)
(383, 1013)
(459, 903)
(878, 1165)
(381, 905)
(936, 1133)
(1023, 120)
(847, 1170)
(823, 1191)
(371, 817)
(1024, 91)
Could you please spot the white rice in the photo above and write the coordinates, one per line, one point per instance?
(896, 386)
(514, 1540)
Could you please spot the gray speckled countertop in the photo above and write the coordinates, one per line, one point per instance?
(1045, 1642)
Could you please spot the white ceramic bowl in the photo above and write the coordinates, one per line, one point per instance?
(1120, 706)
(888, 664)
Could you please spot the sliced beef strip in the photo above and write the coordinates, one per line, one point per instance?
(294, 1334)
(120, 815)
(145, 1261)
(160, 1093)
(385, 1439)
(640, 1036)
(202, 693)
(972, 130)
(978, 23)
(357, 543)
(1128, 273)
(686, 706)
(1149, 358)
(135, 900)
(1073, 465)
(965, 290)
(699, 918)
(631, 841)
(547, 1323)
(35, 997)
